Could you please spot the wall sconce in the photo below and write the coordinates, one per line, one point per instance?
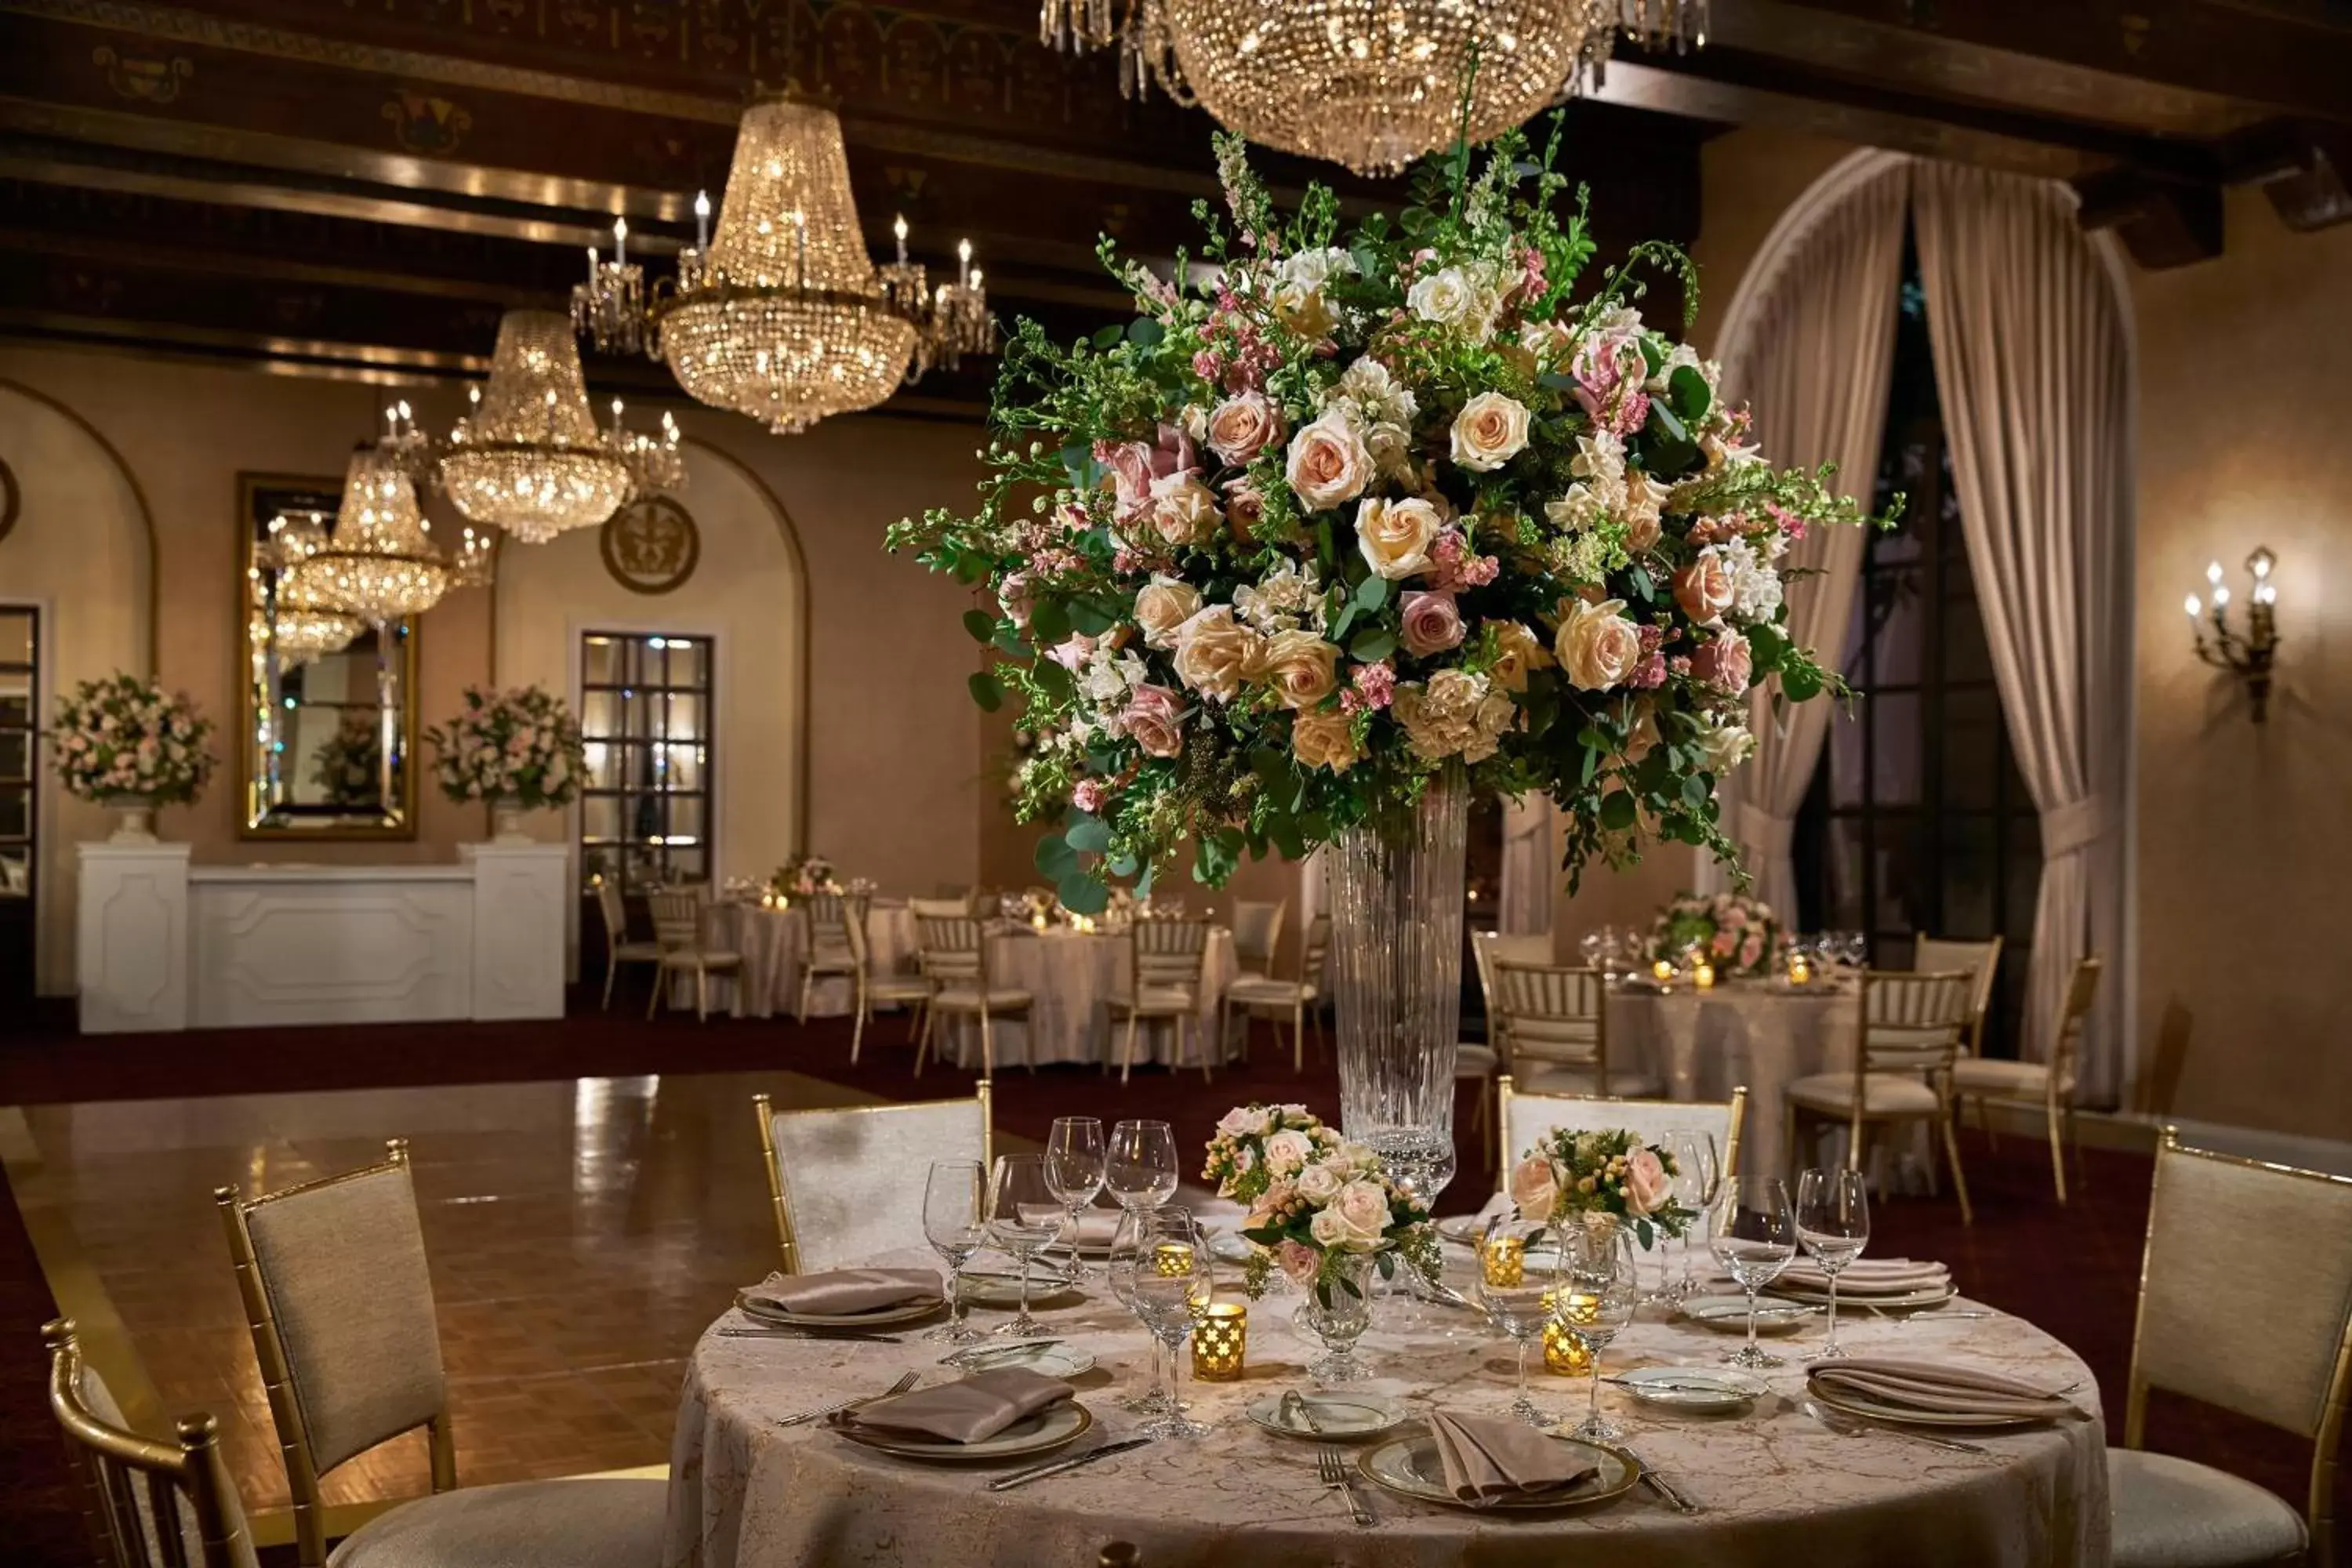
(2249, 658)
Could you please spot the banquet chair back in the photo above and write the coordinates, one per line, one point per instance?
(940, 908)
(1981, 961)
(1315, 953)
(2066, 1038)
(149, 1504)
(614, 915)
(1162, 953)
(847, 1181)
(1554, 1016)
(952, 949)
(1912, 1022)
(1525, 1118)
(677, 918)
(1487, 949)
(2238, 1309)
(1258, 929)
(828, 917)
(340, 1305)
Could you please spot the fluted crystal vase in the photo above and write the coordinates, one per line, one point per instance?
(1396, 980)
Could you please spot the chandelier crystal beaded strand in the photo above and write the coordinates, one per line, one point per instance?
(379, 564)
(1372, 84)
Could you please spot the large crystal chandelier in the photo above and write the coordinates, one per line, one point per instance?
(529, 457)
(379, 563)
(1373, 84)
(783, 317)
(286, 621)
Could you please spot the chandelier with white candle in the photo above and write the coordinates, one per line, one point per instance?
(379, 562)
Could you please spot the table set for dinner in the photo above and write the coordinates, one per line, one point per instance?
(1071, 975)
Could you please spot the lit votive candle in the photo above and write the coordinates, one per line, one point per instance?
(1220, 1342)
(1172, 1259)
(1038, 921)
(1799, 971)
(1504, 1260)
(1565, 1353)
(1662, 971)
(1703, 976)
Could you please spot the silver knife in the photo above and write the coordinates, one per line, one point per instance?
(1039, 1472)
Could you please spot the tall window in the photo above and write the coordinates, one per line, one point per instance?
(1919, 823)
(645, 717)
(20, 642)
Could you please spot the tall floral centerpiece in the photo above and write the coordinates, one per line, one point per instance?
(1348, 525)
(125, 742)
(1735, 933)
(518, 750)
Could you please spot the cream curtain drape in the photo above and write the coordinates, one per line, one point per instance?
(1815, 360)
(2034, 372)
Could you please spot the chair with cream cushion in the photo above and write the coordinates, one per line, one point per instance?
(1980, 960)
(619, 949)
(2047, 1086)
(953, 951)
(1301, 998)
(1908, 1032)
(1257, 929)
(2237, 1308)
(1525, 1118)
(832, 953)
(130, 1482)
(847, 1181)
(341, 1309)
(677, 927)
(1556, 1032)
(1484, 1062)
(911, 989)
(1167, 965)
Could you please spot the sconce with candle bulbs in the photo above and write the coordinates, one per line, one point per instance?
(2250, 656)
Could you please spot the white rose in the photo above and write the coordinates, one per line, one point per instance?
(1726, 748)
(1183, 509)
(1394, 536)
(1328, 1229)
(1447, 297)
(1363, 1211)
(1236, 1122)
(1326, 462)
(1319, 1183)
(1490, 431)
(1313, 269)
(1287, 1150)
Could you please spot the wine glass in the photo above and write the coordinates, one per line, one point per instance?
(1856, 946)
(1594, 1301)
(1073, 1168)
(1518, 1268)
(1139, 1167)
(1171, 1285)
(1754, 1237)
(1129, 1252)
(1696, 1175)
(1834, 1226)
(1590, 945)
(1024, 1215)
(952, 1224)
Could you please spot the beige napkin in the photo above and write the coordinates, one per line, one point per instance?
(969, 1411)
(843, 1292)
(1939, 1388)
(1869, 1276)
(1096, 1226)
(1488, 1458)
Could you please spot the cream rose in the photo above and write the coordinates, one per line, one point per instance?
(1647, 1186)
(1298, 1260)
(1535, 1188)
(1725, 748)
(1362, 1208)
(1152, 720)
(1161, 606)
(1447, 297)
(1183, 510)
(1705, 588)
(1300, 666)
(1454, 713)
(1430, 624)
(1518, 652)
(1303, 310)
(1214, 655)
(1394, 536)
(1327, 463)
(1490, 431)
(1644, 498)
(1596, 646)
(1319, 1183)
(1287, 1150)
(1242, 426)
(1321, 738)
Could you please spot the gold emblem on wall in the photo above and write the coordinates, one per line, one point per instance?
(136, 73)
(650, 546)
(422, 123)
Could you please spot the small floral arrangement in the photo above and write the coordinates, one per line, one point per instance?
(1314, 1197)
(520, 747)
(803, 876)
(1735, 933)
(349, 764)
(125, 738)
(1569, 1174)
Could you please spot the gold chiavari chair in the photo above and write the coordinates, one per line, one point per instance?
(846, 1182)
(1556, 1032)
(1910, 1034)
(1257, 931)
(959, 907)
(618, 947)
(149, 1504)
(1981, 961)
(955, 958)
(1167, 964)
(833, 952)
(1301, 998)
(1488, 1061)
(1524, 1118)
(341, 1309)
(2047, 1086)
(912, 991)
(2245, 1301)
(677, 927)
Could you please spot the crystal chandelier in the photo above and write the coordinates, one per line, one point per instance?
(378, 565)
(529, 457)
(784, 317)
(286, 620)
(1373, 84)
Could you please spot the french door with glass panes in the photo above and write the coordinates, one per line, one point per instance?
(646, 820)
(20, 806)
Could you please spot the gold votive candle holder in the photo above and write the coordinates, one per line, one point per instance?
(1704, 976)
(1172, 1259)
(1565, 1352)
(1799, 971)
(1220, 1342)
(1504, 1260)
(1662, 972)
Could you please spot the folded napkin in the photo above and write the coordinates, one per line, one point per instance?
(840, 1292)
(1096, 1226)
(1941, 1389)
(1491, 1458)
(969, 1411)
(1869, 1276)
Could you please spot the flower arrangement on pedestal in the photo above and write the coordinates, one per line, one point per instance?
(348, 765)
(1319, 1205)
(1339, 510)
(518, 750)
(804, 875)
(1569, 1174)
(1735, 933)
(125, 742)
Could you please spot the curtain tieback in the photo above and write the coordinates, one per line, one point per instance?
(1764, 834)
(2077, 824)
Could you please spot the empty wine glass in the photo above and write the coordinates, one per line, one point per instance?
(1022, 1216)
(1590, 945)
(1834, 1226)
(1754, 1237)
(1519, 1269)
(1171, 1285)
(1139, 1166)
(1595, 1300)
(1130, 1251)
(1856, 947)
(1073, 1168)
(1696, 1175)
(952, 1214)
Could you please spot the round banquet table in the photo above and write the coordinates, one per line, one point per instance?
(1773, 1487)
(774, 943)
(1071, 977)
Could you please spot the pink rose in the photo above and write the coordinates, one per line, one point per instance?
(1703, 589)
(1242, 427)
(1432, 624)
(1751, 950)
(1016, 596)
(1151, 720)
(1648, 1188)
(1724, 662)
(1725, 943)
(1535, 1188)
(1072, 652)
(1090, 796)
(1298, 1260)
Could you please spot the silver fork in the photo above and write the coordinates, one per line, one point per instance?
(803, 1416)
(1659, 1484)
(1332, 1465)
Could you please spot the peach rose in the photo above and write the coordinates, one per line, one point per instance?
(1518, 652)
(1535, 1188)
(1394, 536)
(1596, 646)
(1724, 661)
(1327, 463)
(1298, 1260)
(1183, 509)
(1704, 588)
(1644, 498)
(1490, 431)
(1647, 1186)
(1153, 720)
(1321, 738)
(1300, 666)
(1362, 1209)
(1431, 623)
(1319, 1183)
(1215, 655)
(1162, 605)
(1242, 426)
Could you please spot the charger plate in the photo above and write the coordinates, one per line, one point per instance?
(881, 1318)
(1409, 1467)
(1049, 1429)
(1869, 1409)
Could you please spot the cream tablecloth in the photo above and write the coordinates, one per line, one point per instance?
(1774, 1487)
(1705, 1044)
(774, 943)
(1071, 977)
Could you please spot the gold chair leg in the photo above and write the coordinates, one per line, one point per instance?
(701, 995)
(1190, 1024)
(858, 1026)
(1298, 1040)
(2057, 1154)
(808, 981)
(1315, 1022)
(611, 973)
(923, 1039)
(661, 979)
(987, 1043)
(1959, 1177)
(1127, 1050)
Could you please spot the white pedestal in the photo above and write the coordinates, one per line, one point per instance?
(519, 928)
(133, 937)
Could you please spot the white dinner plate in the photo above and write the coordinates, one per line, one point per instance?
(1039, 1434)
(1705, 1389)
(1050, 1360)
(881, 1318)
(1860, 1306)
(1231, 1246)
(1337, 1416)
(1410, 1467)
(1461, 1230)
(1861, 1404)
(1001, 1287)
(1730, 1313)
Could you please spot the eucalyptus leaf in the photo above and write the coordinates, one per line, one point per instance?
(1051, 677)
(1049, 622)
(986, 692)
(1090, 618)
(1374, 645)
(1055, 857)
(1108, 337)
(1090, 835)
(980, 625)
(1687, 390)
(1082, 894)
(1373, 592)
(1617, 811)
(1800, 683)
(1145, 331)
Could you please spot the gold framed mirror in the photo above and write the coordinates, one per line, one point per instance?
(327, 744)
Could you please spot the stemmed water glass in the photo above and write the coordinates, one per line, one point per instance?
(1697, 1175)
(1834, 1226)
(1139, 1166)
(1519, 1269)
(1073, 1168)
(1171, 1285)
(1129, 1252)
(1754, 1237)
(1024, 1215)
(1594, 1300)
(952, 1223)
